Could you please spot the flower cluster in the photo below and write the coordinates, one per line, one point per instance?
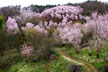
(12, 26)
(27, 51)
(37, 27)
(70, 34)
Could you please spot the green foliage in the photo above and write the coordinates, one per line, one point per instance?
(59, 65)
(51, 31)
(2, 22)
(83, 21)
(8, 41)
(8, 58)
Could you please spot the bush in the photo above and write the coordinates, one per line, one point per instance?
(74, 68)
(41, 42)
(53, 57)
(27, 51)
(105, 68)
(34, 19)
(8, 41)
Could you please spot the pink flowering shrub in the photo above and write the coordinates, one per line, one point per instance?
(36, 27)
(28, 26)
(12, 26)
(27, 51)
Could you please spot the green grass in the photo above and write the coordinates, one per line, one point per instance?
(59, 65)
(83, 69)
(28, 67)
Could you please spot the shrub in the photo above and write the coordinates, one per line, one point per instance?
(74, 68)
(105, 68)
(10, 41)
(53, 57)
(35, 19)
(41, 42)
(3, 39)
(27, 51)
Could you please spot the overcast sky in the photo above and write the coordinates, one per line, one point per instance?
(39, 2)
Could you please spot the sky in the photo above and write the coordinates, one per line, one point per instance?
(24, 3)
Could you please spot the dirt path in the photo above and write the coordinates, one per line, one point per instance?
(89, 67)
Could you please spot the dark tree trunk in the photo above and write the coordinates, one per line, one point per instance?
(90, 54)
(97, 56)
(77, 51)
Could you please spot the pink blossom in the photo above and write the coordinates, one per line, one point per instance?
(12, 26)
(27, 51)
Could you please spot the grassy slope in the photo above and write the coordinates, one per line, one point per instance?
(19, 65)
(61, 65)
(98, 63)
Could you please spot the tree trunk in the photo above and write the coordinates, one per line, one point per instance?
(97, 56)
(77, 50)
(68, 46)
(90, 54)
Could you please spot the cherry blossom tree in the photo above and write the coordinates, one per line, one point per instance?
(60, 15)
(32, 26)
(27, 15)
(12, 26)
(71, 35)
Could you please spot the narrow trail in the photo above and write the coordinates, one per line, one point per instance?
(89, 67)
